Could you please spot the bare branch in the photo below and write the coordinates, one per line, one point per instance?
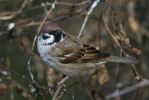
(35, 38)
(69, 4)
(11, 15)
(143, 83)
(60, 86)
(87, 16)
(136, 73)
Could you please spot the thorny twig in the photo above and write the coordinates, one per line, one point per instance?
(87, 16)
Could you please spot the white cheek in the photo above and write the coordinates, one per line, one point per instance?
(50, 40)
(42, 48)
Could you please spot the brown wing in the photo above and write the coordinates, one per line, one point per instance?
(84, 54)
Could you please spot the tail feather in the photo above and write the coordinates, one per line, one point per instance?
(127, 60)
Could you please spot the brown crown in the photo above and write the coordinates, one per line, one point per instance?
(48, 27)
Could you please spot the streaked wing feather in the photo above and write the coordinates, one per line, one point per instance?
(84, 54)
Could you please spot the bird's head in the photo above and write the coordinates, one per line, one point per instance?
(50, 35)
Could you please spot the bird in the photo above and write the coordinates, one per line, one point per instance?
(67, 55)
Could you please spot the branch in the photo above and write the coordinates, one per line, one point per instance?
(87, 16)
(135, 72)
(11, 15)
(60, 86)
(145, 82)
(35, 38)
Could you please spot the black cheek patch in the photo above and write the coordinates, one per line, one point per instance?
(57, 36)
(63, 35)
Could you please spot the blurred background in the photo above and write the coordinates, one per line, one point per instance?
(118, 27)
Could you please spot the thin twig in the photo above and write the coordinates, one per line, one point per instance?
(136, 74)
(111, 34)
(142, 83)
(117, 69)
(29, 69)
(60, 86)
(70, 4)
(60, 3)
(10, 79)
(11, 15)
(35, 38)
(87, 16)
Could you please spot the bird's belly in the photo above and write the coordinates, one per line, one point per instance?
(75, 71)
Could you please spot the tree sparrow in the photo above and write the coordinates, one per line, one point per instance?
(65, 54)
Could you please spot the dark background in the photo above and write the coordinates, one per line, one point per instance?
(126, 20)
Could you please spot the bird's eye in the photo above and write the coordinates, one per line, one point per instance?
(45, 37)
